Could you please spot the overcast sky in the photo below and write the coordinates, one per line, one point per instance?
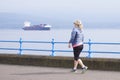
(87, 10)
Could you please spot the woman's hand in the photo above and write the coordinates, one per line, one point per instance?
(69, 45)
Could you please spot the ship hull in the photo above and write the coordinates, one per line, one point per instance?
(36, 28)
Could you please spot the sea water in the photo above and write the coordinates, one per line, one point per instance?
(60, 35)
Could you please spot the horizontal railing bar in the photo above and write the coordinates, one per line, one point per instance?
(61, 42)
(105, 52)
(7, 41)
(9, 49)
(23, 49)
(93, 42)
(35, 50)
(60, 50)
(36, 42)
(66, 51)
(26, 41)
(102, 43)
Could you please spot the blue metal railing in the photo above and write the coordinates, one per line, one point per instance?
(53, 50)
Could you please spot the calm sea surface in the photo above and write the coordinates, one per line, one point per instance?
(62, 35)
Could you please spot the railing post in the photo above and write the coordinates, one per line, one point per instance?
(89, 51)
(20, 47)
(52, 54)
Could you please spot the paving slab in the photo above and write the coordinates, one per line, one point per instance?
(17, 72)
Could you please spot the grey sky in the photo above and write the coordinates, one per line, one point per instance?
(88, 10)
(90, 6)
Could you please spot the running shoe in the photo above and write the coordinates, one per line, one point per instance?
(84, 69)
(73, 70)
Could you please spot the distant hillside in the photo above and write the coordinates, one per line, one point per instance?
(15, 21)
(12, 20)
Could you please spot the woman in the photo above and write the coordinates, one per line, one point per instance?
(76, 41)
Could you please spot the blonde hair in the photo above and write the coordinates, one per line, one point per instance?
(78, 24)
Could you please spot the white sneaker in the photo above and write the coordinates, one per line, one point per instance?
(74, 70)
(84, 69)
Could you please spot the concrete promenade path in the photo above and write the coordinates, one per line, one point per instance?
(17, 72)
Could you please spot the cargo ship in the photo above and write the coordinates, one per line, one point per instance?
(28, 26)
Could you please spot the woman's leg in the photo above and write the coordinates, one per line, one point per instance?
(81, 63)
(75, 64)
(77, 60)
